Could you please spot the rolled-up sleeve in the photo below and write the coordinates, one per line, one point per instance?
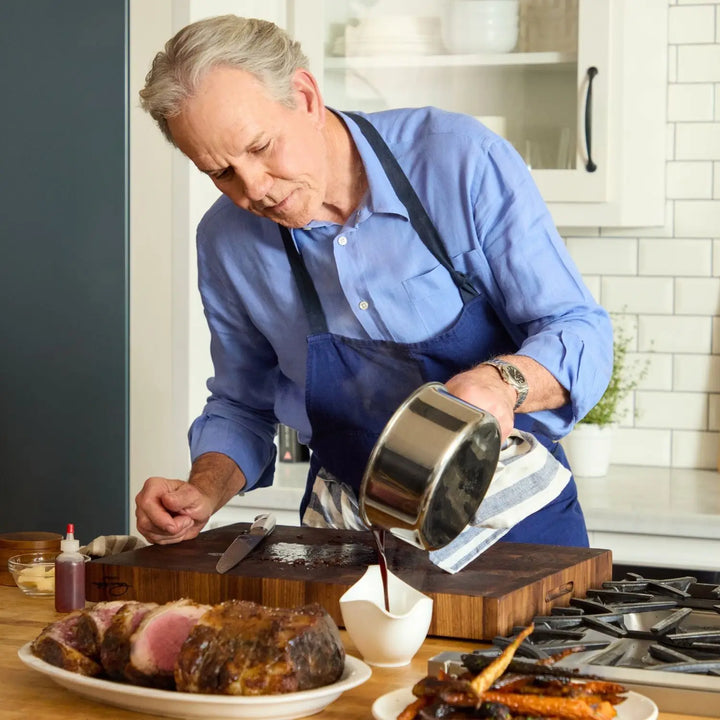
(538, 288)
(238, 419)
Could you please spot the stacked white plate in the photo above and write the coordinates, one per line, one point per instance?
(481, 26)
(393, 35)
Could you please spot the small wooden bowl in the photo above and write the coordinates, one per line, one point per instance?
(18, 543)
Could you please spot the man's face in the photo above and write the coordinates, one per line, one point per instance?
(267, 158)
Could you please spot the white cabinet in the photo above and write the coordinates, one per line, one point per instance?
(581, 96)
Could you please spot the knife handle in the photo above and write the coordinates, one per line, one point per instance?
(264, 524)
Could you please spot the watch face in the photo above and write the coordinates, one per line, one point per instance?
(515, 374)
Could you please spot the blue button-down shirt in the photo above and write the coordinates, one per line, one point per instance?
(376, 280)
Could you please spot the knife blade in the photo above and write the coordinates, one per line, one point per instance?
(262, 526)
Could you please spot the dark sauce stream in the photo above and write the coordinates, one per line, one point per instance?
(379, 535)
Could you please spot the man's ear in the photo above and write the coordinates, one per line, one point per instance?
(307, 94)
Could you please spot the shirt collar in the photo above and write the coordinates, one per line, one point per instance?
(381, 196)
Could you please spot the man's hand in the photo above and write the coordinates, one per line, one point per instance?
(483, 387)
(169, 511)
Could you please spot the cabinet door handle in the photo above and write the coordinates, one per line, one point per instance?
(590, 166)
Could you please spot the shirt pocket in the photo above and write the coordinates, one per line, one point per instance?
(435, 299)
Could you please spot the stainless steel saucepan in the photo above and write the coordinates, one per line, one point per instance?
(430, 468)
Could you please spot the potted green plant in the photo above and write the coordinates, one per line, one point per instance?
(589, 444)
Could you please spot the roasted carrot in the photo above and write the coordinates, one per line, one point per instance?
(497, 667)
(571, 708)
(411, 711)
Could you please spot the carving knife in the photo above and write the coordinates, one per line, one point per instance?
(243, 544)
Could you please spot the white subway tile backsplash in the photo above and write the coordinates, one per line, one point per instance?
(658, 370)
(676, 410)
(670, 142)
(606, 256)
(691, 101)
(694, 24)
(716, 336)
(697, 218)
(637, 294)
(697, 373)
(698, 63)
(689, 179)
(697, 296)
(714, 411)
(593, 285)
(663, 284)
(694, 449)
(675, 334)
(697, 141)
(637, 446)
(674, 256)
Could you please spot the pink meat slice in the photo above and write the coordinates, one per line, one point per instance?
(115, 648)
(155, 645)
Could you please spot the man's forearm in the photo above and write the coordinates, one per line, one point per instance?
(544, 391)
(218, 477)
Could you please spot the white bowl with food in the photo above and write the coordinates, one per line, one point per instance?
(34, 573)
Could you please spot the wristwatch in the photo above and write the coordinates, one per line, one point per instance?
(513, 377)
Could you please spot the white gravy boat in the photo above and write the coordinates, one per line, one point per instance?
(385, 639)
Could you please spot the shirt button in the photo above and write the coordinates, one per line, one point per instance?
(342, 240)
(363, 304)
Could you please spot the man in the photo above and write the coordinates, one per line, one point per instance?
(351, 259)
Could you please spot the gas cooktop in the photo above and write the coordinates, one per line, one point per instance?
(659, 637)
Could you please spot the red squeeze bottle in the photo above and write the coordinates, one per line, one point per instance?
(69, 574)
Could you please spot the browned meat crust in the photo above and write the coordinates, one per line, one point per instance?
(242, 648)
(57, 645)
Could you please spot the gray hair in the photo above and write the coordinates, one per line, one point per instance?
(256, 46)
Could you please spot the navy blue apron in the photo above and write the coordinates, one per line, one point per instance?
(354, 386)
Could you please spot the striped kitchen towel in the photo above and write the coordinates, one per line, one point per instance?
(105, 545)
(526, 479)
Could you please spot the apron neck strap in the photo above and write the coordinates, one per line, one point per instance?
(419, 218)
(306, 288)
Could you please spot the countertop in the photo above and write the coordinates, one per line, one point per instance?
(653, 501)
(28, 694)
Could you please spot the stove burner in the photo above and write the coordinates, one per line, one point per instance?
(671, 625)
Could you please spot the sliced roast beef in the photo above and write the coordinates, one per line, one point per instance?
(242, 648)
(115, 647)
(155, 645)
(92, 624)
(57, 644)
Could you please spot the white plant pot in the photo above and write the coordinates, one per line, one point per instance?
(588, 449)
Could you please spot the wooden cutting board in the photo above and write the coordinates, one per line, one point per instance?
(507, 585)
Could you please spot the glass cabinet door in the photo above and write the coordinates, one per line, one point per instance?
(534, 71)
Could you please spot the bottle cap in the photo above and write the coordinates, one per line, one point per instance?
(70, 544)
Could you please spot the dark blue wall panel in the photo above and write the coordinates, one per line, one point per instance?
(63, 266)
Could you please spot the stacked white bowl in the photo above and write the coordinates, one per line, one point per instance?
(480, 26)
